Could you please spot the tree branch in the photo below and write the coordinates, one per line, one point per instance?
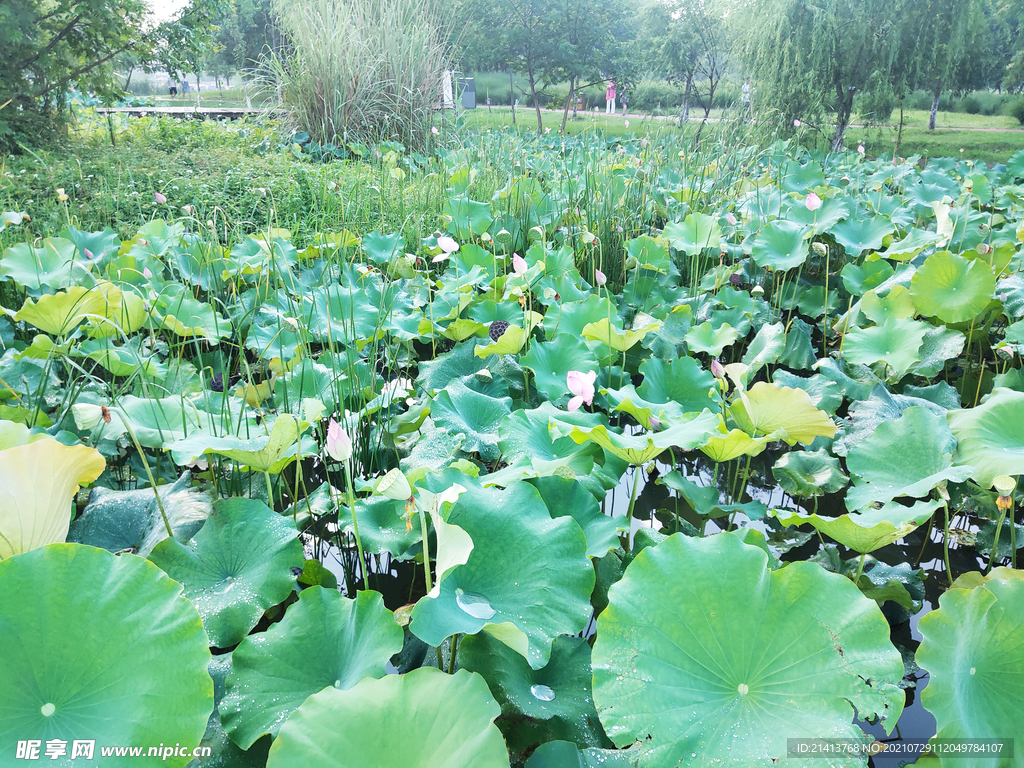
(80, 72)
(50, 46)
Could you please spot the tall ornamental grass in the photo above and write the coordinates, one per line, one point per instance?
(362, 70)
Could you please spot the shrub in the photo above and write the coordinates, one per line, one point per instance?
(1016, 109)
(362, 70)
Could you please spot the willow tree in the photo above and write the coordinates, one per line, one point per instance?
(808, 59)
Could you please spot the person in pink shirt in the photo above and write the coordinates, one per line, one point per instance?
(609, 98)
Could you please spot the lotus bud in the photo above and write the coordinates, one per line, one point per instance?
(599, 277)
(860, 150)
(88, 254)
(730, 219)
(160, 199)
(339, 444)
(813, 202)
(394, 485)
(717, 369)
(519, 265)
(1004, 485)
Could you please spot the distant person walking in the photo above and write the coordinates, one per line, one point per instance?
(184, 86)
(745, 98)
(625, 101)
(172, 86)
(609, 97)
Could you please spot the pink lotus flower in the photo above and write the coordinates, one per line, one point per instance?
(860, 149)
(447, 244)
(730, 219)
(627, 123)
(717, 370)
(813, 202)
(439, 258)
(582, 386)
(599, 277)
(339, 444)
(159, 198)
(146, 273)
(519, 265)
(796, 123)
(88, 254)
(433, 129)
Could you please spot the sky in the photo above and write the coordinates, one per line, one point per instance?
(165, 9)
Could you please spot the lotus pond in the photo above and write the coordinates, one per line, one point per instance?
(644, 457)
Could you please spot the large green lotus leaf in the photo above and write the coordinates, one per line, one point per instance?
(896, 342)
(573, 316)
(565, 754)
(551, 362)
(681, 381)
(324, 640)
(190, 318)
(868, 530)
(939, 345)
(606, 333)
(990, 437)
(973, 650)
(907, 456)
(99, 647)
(424, 719)
(786, 413)
(460, 409)
(895, 304)
(952, 288)
(766, 348)
(825, 394)
(346, 315)
(532, 449)
(911, 245)
(564, 496)
(706, 501)
(809, 473)
(130, 520)
(52, 266)
(689, 432)
(266, 453)
(382, 526)
(781, 245)
(39, 481)
(236, 567)
(705, 657)
(706, 338)
(155, 422)
(224, 753)
(508, 581)
(861, 278)
(649, 415)
(862, 234)
(561, 691)
(695, 233)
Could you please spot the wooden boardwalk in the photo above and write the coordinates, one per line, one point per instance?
(194, 113)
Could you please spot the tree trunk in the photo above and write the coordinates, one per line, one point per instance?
(565, 112)
(935, 106)
(843, 118)
(512, 96)
(899, 133)
(684, 111)
(536, 104)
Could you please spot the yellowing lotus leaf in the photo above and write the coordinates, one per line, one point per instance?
(604, 332)
(60, 313)
(119, 310)
(723, 447)
(38, 482)
(509, 343)
(786, 413)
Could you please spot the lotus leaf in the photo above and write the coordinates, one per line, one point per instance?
(551, 362)
(237, 566)
(606, 333)
(690, 432)
(950, 287)
(324, 640)
(868, 530)
(896, 342)
(782, 245)
(990, 437)
(682, 672)
(459, 409)
(973, 650)
(39, 481)
(781, 412)
(706, 338)
(908, 456)
(695, 233)
(809, 473)
(445, 721)
(108, 645)
(505, 581)
(563, 496)
(862, 234)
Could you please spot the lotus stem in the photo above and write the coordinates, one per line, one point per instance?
(426, 557)
(149, 474)
(860, 569)
(995, 541)
(945, 542)
(355, 526)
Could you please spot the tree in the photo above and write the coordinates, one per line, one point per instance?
(947, 32)
(50, 48)
(591, 49)
(685, 42)
(810, 59)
